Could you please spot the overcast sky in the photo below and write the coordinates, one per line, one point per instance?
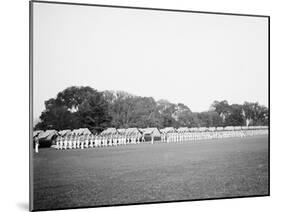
(188, 58)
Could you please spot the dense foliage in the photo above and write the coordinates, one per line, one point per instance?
(79, 107)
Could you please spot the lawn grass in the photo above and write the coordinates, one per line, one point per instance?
(151, 173)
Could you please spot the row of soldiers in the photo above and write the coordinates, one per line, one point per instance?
(207, 135)
(194, 136)
(75, 141)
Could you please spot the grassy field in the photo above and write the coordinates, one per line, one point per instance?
(151, 173)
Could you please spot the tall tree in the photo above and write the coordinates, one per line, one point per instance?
(235, 118)
(255, 114)
(75, 107)
(167, 111)
(222, 108)
(93, 113)
(210, 119)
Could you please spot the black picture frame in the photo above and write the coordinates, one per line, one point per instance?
(133, 8)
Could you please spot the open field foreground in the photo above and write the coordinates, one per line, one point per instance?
(151, 173)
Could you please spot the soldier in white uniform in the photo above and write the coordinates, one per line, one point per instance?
(152, 139)
(104, 141)
(96, 140)
(143, 138)
(124, 140)
(129, 139)
(36, 144)
(138, 138)
(58, 142)
(168, 137)
(64, 142)
(87, 136)
(134, 139)
(69, 141)
(99, 140)
(120, 139)
(73, 138)
(110, 140)
(181, 137)
(162, 137)
(114, 142)
(77, 141)
(87, 144)
(82, 141)
(91, 141)
(184, 136)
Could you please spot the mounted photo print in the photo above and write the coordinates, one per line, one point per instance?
(141, 105)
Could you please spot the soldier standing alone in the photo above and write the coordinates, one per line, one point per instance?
(36, 144)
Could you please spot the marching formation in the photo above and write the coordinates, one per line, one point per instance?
(193, 134)
(84, 138)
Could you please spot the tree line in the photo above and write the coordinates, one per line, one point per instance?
(85, 107)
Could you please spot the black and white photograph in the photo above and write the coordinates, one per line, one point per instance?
(134, 105)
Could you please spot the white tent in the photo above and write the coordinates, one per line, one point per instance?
(37, 132)
(133, 132)
(194, 129)
(229, 128)
(202, 129)
(109, 131)
(183, 129)
(64, 132)
(211, 129)
(237, 128)
(151, 131)
(48, 134)
(81, 131)
(121, 131)
(168, 130)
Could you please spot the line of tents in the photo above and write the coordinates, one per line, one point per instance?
(47, 138)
